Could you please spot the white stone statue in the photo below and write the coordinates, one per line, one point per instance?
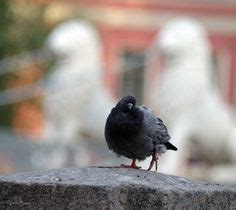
(187, 100)
(76, 101)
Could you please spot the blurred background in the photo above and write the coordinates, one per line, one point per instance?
(63, 65)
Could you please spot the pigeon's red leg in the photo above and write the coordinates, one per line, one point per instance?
(156, 165)
(133, 165)
(154, 160)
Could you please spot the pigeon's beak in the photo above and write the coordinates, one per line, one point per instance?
(130, 106)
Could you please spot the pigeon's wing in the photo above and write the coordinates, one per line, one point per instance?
(154, 126)
(162, 131)
(163, 135)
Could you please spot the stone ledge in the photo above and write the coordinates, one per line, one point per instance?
(110, 188)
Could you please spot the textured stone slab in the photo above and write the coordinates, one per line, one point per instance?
(110, 188)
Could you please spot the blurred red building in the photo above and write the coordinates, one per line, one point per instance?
(128, 27)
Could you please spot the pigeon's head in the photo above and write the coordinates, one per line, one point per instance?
(127, 103)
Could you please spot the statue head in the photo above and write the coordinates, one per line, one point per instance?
(181, 38)
(75, 39)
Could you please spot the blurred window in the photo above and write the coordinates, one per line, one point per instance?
(132, 75)
(216, 71)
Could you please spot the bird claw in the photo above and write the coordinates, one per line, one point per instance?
(152, 163)
(130, 166)
(154, 160)
(156, 166)
(133, 165)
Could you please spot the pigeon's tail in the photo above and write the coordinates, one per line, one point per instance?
(170, 146)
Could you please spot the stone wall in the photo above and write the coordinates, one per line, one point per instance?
(110, 188)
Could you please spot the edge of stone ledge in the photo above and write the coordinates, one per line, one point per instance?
(4, 177)
(108, 187)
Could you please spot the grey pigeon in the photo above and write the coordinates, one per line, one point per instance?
(136, 133)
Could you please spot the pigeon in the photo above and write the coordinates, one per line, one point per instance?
(136, 133)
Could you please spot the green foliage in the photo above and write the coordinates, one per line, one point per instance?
(5, 48)
(27, 31)
(21, 29)
(5, 22)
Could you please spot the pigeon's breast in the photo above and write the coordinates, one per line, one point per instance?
(133, 147)
(125, 134)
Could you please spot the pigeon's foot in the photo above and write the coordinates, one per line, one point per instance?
(154, 160)
(133, 165)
